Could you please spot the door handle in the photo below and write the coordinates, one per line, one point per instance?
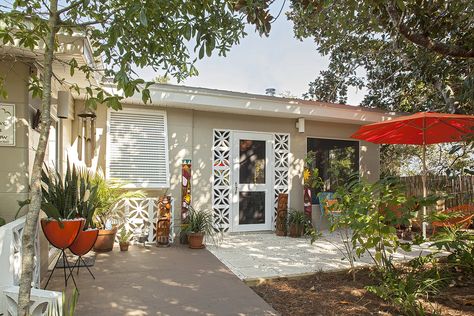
(235, 188)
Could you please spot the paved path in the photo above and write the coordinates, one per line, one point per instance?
(252, 256)
(163, 281)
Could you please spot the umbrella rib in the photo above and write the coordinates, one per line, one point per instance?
(455, 127)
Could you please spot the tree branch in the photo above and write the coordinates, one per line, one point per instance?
(424, 40)
(70, 6)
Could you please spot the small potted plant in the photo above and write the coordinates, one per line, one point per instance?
(200, 224)
(297, 222)
(124, 239)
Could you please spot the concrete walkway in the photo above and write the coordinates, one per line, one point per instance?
(162, 281)
(254, 256)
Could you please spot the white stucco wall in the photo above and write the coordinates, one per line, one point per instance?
(190, 137)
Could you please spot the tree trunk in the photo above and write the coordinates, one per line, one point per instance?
(31, 224)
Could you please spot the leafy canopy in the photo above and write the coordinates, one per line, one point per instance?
(164, 35)
(409, 55)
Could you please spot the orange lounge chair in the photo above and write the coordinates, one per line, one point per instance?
(463, 220)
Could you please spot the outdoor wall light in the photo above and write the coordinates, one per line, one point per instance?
(300, 124)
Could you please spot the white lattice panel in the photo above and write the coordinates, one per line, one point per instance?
(221, 184)
(281, 163)
(139, 216)
(10, 254)
(43, 303)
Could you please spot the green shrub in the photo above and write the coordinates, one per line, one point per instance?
(367, 210)
(460, 245)
(403, 287)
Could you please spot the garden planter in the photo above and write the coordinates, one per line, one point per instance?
(195, 240)
(124, 246)
(105, 240)
(61, 234)
(84, 242)
(296, 230)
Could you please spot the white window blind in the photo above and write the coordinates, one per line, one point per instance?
(138, 148)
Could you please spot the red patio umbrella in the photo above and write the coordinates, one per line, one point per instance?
(423, 128)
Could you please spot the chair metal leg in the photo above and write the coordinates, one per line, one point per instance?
(72, 275)
(87, 268)
(64, 267)
(76, 264)
(52, 271)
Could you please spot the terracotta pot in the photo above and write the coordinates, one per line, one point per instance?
(84, 242)
(105, 240)
(195, 240)
(124, 246)
(61, 234)
(296, 230)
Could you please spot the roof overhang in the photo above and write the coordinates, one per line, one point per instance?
(203, 99)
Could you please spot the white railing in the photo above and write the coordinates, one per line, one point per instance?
(10, 273)
(139, 216)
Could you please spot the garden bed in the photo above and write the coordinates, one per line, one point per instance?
(334, 293)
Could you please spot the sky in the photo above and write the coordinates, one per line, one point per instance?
(279, 61)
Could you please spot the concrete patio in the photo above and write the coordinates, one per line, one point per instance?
(162, 281)
(253, 256)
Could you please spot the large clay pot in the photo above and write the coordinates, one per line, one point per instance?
(84, 242)
(61, 234)
(105, 240)
(195, 240)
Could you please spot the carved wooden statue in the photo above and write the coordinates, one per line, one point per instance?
(282, 213)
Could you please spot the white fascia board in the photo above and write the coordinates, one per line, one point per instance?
(239, 103)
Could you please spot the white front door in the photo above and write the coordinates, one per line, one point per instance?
(252, 181)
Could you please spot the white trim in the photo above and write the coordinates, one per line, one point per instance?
(107, 149)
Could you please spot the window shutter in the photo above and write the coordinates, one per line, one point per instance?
(138, 148)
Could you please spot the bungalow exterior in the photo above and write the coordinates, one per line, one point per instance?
(244, 149)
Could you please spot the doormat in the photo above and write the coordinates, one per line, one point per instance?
(89, 260)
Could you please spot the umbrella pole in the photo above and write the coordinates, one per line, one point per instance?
(423, 180)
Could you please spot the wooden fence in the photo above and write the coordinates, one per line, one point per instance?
(460, 189)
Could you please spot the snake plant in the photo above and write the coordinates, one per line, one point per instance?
(60, 198)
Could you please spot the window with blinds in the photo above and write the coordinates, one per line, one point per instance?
(137, 148)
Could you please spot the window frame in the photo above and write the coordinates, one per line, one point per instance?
(335, 138)
(108, 146)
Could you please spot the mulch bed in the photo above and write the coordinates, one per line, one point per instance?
(334, 293)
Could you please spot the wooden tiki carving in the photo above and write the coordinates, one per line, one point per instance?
(164, 220)
(282, 213)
